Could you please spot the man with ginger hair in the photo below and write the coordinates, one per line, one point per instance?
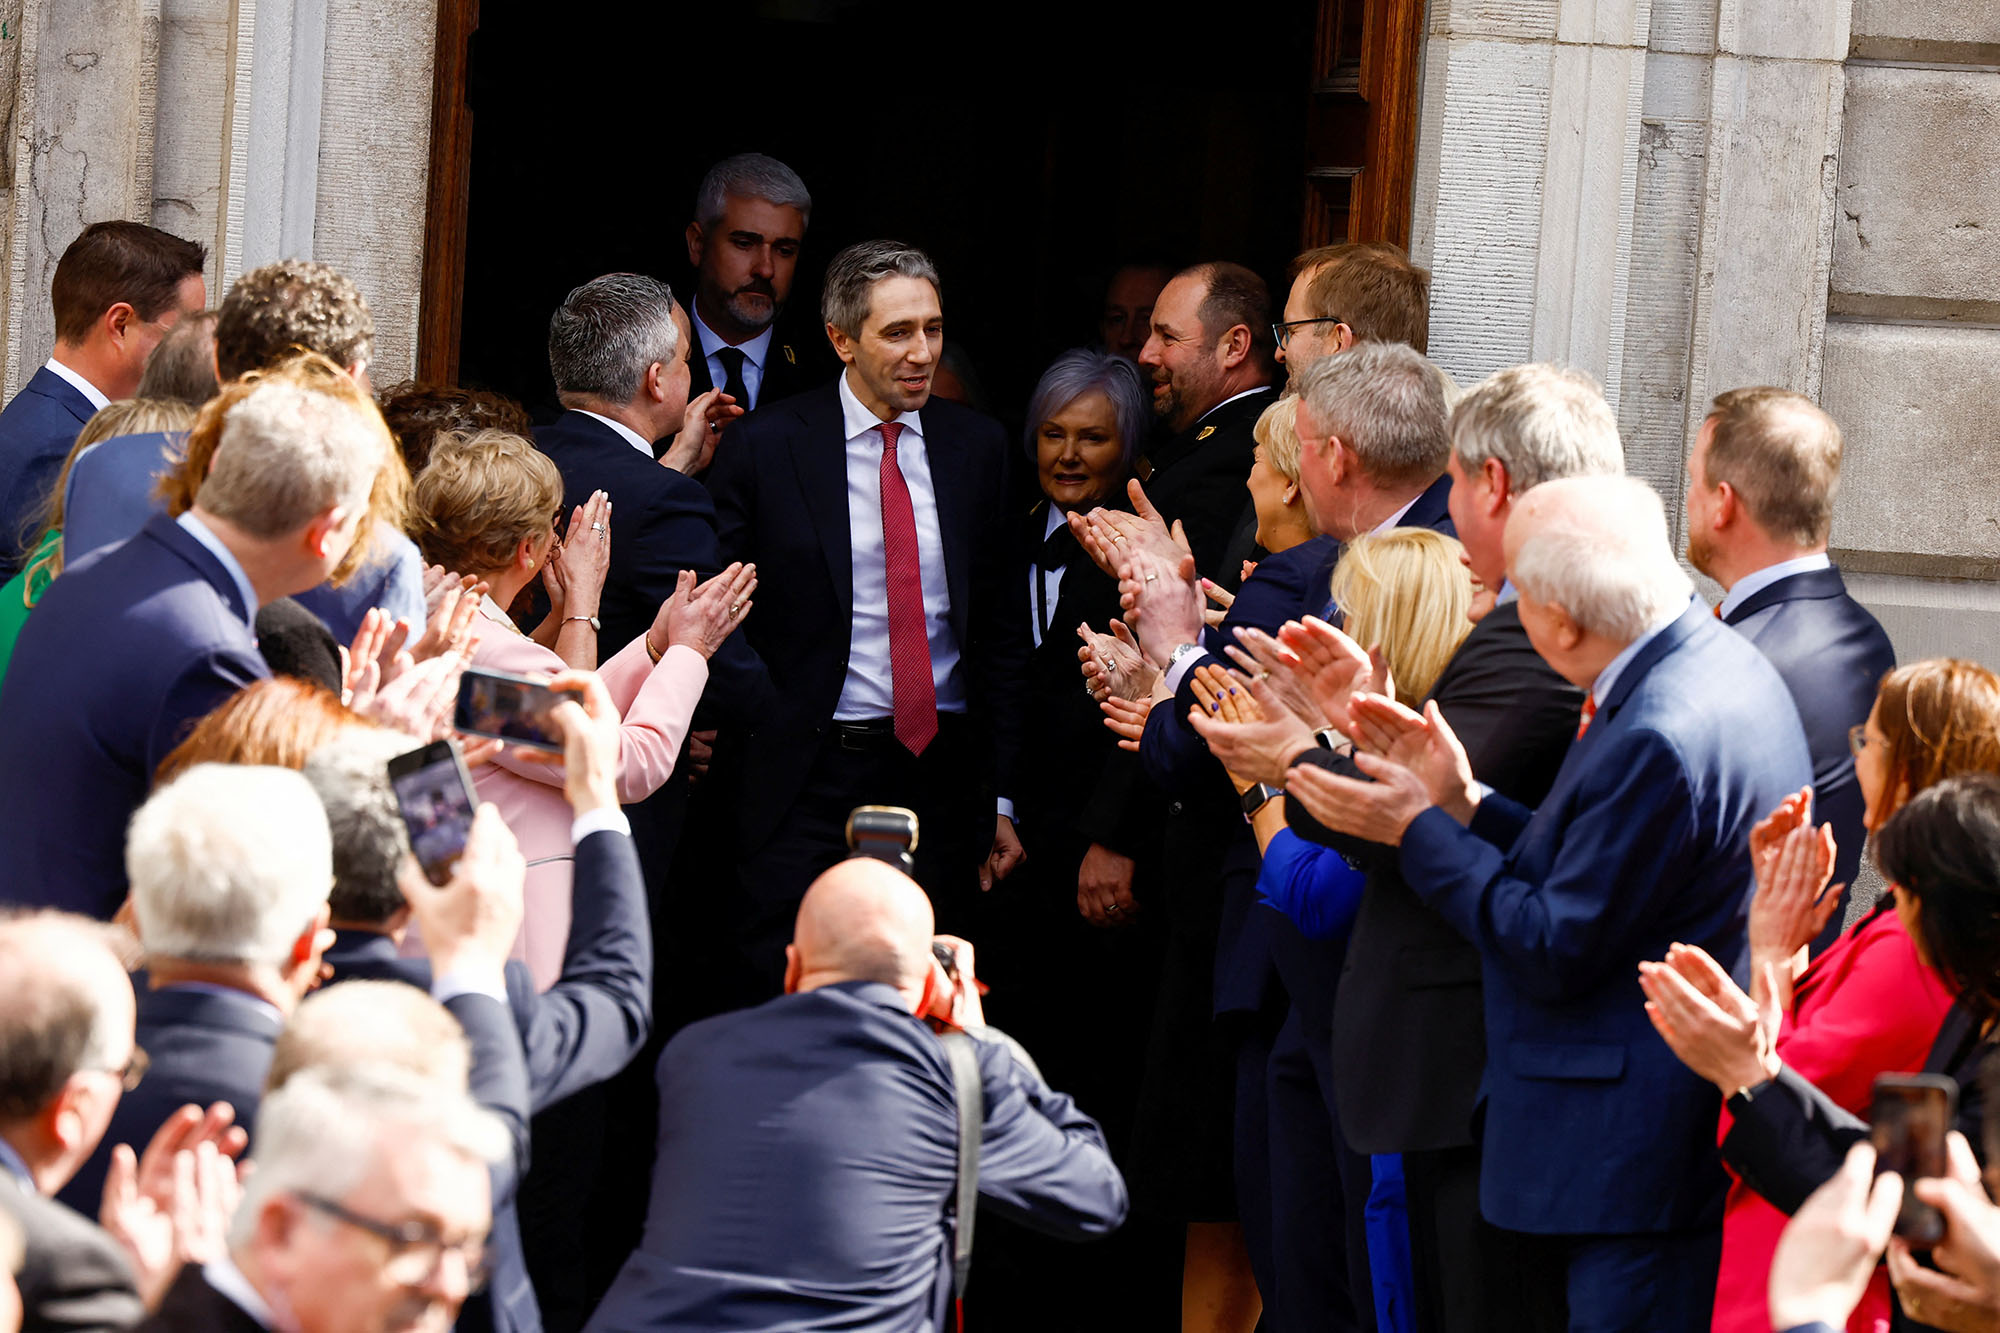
(821, 1124)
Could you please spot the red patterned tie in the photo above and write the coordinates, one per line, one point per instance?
(1589, 712)
(909, 642)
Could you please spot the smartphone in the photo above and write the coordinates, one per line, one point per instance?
(1911, 1116)
(435, 794)
(511, 708)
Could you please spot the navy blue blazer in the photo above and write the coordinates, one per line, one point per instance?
(36, 432)
(1832, 655)
(125, 652)
(807, 1161)
(1592, 1125)
(109, 495)
(780, 486)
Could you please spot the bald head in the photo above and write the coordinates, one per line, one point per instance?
(372, 1022)
(863, 920)
(1597, 548)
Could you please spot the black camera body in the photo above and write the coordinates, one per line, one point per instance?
(885, 832)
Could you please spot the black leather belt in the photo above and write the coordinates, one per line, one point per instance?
(869, 734)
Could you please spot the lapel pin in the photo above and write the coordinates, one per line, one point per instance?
(790, 360)
(1204, 432)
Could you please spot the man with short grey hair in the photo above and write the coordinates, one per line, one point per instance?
(879, 514)
(1684, 742)
(349, 1158)
(749, 225)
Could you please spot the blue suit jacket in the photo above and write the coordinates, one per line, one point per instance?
(581, 1031)
(807, 1159)
(125, 652)
(36, 432)
(1832, 655)
(1592, 1125)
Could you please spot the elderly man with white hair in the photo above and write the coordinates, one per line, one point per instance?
(1599, 1146)
(368, 1209)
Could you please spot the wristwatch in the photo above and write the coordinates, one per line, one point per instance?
(588, 620)
(1330, 739)
(1182, 651)
(1257, 796)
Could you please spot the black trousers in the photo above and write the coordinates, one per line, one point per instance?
(1470, 1276)
(865, 765)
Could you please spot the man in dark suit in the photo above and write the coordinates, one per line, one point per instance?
(1600, 1144)
(889, 613)
(117, 289)
(66, 1016)
(580, 1032)
(1409, 1049)
(1761, 482)
(809, 1146)
(1208, 360)
(744, 241)
(346, 1159)
(126, 651)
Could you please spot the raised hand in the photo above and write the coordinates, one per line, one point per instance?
(1127, 719)
(449, 628)
(1707, 1020)
(419, 700)
(1221, 600)
(1794, 900)
(1247, 727)
(1162, 604)
(1422, 743)
(702, 424)
(1114, 665)
(574, 575)
(1263, 657)
(701, 616)
(172, 1206)
(1336, 668)
(1768, 835)
(469, 924)
(1378, 811)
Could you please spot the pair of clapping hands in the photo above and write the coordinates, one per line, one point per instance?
(1832, 1244)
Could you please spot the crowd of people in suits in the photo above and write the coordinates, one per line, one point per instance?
(1402, 901)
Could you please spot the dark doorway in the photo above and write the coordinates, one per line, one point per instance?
(1028, 147)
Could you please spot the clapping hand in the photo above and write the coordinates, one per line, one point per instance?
(1334, 666)
(1262, 657)
(1794, 900)
(1717, 1031)
(1126, 718)
(1247, 727)
(1114, 665)
(172, 1206)
(1110, 536)
(1221, 600)
(1829, 1248)
(700, 616)
(574, 575)
(702, 424)
(1962, 1293)
(1423, 743)
(1161, 602)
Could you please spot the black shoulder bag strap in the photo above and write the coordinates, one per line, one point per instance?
(971, 1124)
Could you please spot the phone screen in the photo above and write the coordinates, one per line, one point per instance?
(437, 803)
(1911, 1116)
(511, 708)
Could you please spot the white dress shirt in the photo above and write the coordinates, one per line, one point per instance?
(228, 1281)
(1755, 582)
(1051, 579)
(869, 691)
(200, 532)
(630, 436)
(755, 351)
(83, 386)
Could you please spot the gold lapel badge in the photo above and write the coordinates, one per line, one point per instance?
(1204, 432)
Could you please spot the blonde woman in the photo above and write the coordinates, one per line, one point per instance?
(487, 506)
(133, 416)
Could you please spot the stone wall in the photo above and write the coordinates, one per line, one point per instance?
(1683, 196)
(264, 129)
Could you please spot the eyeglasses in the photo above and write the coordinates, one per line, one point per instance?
(416, 1250)
(1857, 738)
(133, 1069)
(1283, 332)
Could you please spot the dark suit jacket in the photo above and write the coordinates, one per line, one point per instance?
(74, 1278)
(124, 653)
(1592, 1125)
(1410, 1047)
(109, 495)
(1198, 475)
(807, 1160)
(781, 500)
(1832, 655)
(36, 432)
(798, 361)
(1790, 1138)
(192, 1306)
(205, 1046)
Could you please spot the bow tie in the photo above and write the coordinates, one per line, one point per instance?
(1057, 548)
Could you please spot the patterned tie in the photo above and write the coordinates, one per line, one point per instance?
(909, 643)
(732, 370)
(1589, 712)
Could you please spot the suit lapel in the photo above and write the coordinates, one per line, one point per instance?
(819, 460)
(953, 490)
(1814, 584)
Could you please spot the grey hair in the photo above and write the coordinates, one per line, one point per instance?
(363, 1022)
(228, 863)
(1604, 557)
(323, 1132)
(287, 454)
(350, 773)
(1081, 371)
(607, 332)
(851, 279)
(1542, 422)
(1384, 402)
(750, 176)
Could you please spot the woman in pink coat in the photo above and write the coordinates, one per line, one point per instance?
(488, 505)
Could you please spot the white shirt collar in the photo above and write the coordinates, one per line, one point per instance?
(754, 349)
(1758, 580)
(1230, 399)
(1600, 689)
(1396, 519)
(82, 385)
(858, 420)
(630, 436)
(228, 1280)
(201, 532)
(1057, 519)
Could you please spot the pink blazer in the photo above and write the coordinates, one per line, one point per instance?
(657, 703)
